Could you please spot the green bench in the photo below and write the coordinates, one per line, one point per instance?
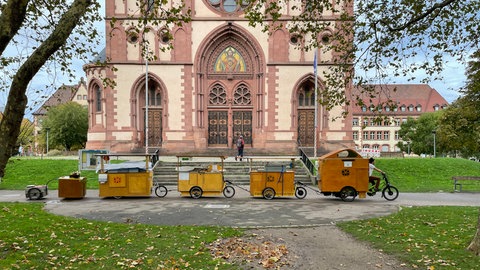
(459, 181)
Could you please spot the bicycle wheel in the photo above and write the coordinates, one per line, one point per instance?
(196, 192)
(228, 191)
(348, 194)
(268, 193)
(161, 191)
(300, 192)
(390, 193)
(34, 194)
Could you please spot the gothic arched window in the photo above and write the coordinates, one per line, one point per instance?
(218, 95)
(230, 61)
(242, 95)
(98, 98)
(306, 97)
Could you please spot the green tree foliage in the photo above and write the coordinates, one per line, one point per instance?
(68, 124)
(420, 133)
(406, 39)
(50, 31)
(48, 35)
(460, 125)
(26, 136)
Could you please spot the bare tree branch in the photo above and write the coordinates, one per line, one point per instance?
(416, 19)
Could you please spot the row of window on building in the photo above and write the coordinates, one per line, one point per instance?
(375, 149)
(375, 135)
(378, 122)
(402, 108)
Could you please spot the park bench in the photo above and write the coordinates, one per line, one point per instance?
(458, 181)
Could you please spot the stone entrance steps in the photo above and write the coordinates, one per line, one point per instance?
(238, 172)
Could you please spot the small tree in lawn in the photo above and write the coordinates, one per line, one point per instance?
(420, 133)
(68, 124)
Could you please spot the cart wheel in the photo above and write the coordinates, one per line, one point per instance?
(228, 191)
(196, 192)
(390, 193)
(268, 193)
(117, 197)
(161, 191)
(34, 194)
(348, 194)
(300, 192)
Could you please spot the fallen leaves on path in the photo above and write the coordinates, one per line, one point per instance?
(251, 250)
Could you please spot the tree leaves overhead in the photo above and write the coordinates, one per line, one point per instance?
(392, 39)
(41, 20)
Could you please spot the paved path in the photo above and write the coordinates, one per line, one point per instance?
(239, 211)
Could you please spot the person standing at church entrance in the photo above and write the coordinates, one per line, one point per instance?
(240, 145)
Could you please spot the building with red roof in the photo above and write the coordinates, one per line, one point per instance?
(376, 122)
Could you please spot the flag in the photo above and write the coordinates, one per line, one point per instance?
(315, 62)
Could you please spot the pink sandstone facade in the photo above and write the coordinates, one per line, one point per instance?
(222, 78)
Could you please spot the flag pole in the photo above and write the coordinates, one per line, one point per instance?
(316, 105)
(146, 99)
(149, 7)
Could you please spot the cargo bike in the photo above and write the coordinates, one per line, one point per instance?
(197, 182)
(344, 173)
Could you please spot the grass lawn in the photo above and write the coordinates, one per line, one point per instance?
(21, 172)
(32, 238)
(423, 237)
(428, 174)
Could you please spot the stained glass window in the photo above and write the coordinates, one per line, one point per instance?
(229, 6)
(229, 61)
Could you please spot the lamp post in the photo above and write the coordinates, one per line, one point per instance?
(47, 130)
(434, 132)
(408, 148)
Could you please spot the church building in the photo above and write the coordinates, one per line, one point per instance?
(220, 79)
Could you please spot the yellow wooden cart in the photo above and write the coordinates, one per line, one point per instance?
(132, 178)
(275, 181)
(204, 181)
(343, 173)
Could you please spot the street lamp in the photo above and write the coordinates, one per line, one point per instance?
(408, 147)
(47, 130)
(434, 132)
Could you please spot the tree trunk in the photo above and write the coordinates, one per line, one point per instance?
(17, 99)
(475, 244)
(12, 16)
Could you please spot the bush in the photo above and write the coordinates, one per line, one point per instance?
(54, 153)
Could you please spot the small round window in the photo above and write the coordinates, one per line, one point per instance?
(164, 36)
(295, 39)
(132, 37)
(229, 6)
(326, 38)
